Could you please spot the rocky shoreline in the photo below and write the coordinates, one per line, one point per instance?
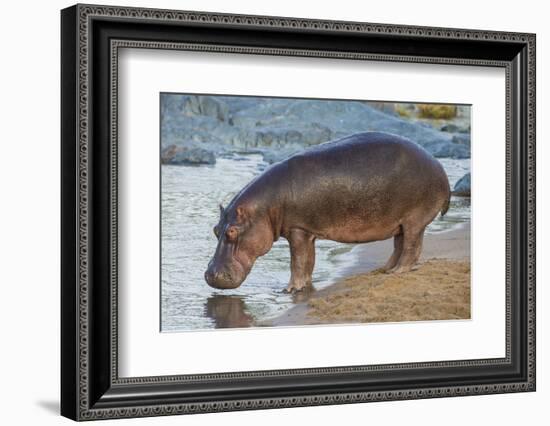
(195, 129)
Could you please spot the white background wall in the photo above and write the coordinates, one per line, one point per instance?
(29, 211)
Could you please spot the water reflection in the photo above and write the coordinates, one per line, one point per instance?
(228, 311)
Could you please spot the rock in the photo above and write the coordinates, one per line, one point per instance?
(275, 155)
(345, 118)
(305, 135)
(387, 107)
(461, 139)
(182, 154)
(449, 150)
(463, 111)
(457, 126)
(206, 105)
(274, 124)
(462, 187)
(449, 128)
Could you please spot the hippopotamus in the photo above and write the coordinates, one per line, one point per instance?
(365, 187)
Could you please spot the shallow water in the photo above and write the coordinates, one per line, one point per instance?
(190, 199)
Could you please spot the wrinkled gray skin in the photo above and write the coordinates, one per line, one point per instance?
(362, 188)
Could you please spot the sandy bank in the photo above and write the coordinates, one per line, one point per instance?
(438, 289)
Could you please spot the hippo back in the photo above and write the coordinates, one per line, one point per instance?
(360, 179)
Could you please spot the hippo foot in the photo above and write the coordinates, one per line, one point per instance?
(292, 289)
(402, 269)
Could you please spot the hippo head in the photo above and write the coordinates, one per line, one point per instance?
(243, 234)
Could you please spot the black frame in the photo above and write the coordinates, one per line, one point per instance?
(91, 37)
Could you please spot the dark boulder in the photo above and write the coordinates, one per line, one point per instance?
(458, 126)
(449, 128)
(462, 187)
(182, 154)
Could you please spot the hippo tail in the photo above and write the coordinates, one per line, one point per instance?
(446, 204)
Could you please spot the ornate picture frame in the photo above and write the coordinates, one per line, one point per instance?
(91, 37)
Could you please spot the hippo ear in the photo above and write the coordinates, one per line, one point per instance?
(222, 210)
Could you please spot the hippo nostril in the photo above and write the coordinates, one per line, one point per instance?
(220, 279)
(209, 277)
(214, 278)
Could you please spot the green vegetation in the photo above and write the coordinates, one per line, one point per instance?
(436, 111)
(402, 110)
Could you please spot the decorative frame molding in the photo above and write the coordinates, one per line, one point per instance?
(91, 388)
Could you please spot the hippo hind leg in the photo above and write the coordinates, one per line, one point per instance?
(412, 248)
(302, 260)
(397, 251)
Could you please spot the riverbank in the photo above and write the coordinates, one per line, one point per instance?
(438, 289)
(200, 129)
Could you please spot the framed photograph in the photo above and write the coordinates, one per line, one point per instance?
(263, 212)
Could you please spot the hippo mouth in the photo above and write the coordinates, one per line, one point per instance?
(227, 277)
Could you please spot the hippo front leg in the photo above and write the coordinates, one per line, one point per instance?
(302, 259)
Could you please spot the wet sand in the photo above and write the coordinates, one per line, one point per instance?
(438, 288)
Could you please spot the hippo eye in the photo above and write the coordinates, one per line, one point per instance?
(217, 231)
(231, 233)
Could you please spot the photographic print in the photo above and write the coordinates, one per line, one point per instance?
(293, 212)
(260, 183)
